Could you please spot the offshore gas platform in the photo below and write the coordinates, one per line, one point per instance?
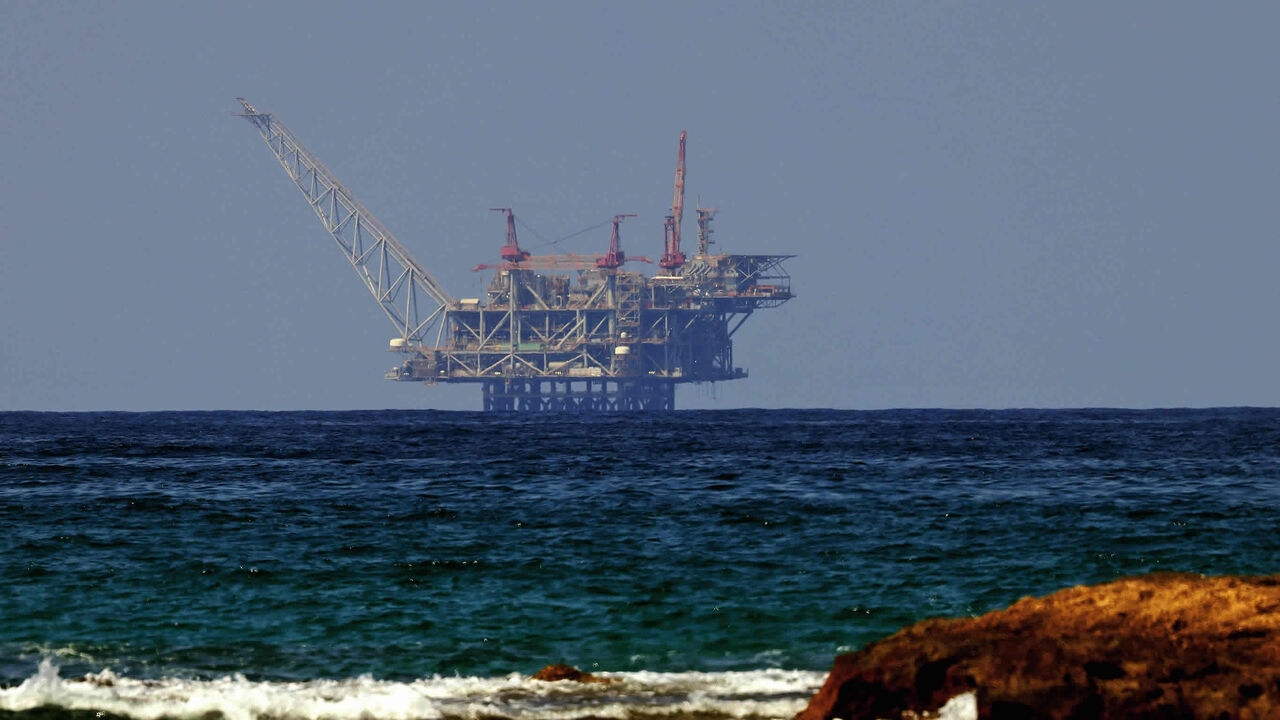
(554, 332)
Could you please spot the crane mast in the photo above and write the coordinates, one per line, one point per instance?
(400, 284)
(615, 257)
(511, 251)
(672, 258)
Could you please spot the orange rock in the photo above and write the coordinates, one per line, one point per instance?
(559, 671)
(1158, 646)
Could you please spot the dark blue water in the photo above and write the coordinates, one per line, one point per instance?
(403, 545)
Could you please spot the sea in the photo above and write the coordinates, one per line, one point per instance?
(704, 564)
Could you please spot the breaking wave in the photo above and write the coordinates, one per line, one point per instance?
(747, 694)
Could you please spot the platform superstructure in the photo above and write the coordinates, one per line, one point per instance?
(553, 332)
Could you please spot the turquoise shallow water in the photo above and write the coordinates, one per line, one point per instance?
(320, 547)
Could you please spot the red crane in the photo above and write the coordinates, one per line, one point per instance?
(516, 258)
(615, 257)
(672, 258)
(511, 251)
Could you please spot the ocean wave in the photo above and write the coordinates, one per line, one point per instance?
(745, 694)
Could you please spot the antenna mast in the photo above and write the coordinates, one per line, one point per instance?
(705, 215)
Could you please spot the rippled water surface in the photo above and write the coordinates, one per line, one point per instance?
(314, 547)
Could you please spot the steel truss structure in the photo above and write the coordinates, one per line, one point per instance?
(571, 335)
(523, 395)
(397, 281)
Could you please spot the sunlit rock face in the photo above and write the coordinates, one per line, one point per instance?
(560, 671)
(1157, 646)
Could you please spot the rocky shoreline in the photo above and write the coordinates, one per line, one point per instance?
(1157, 646)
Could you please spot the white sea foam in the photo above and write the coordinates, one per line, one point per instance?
(751, 694)
(62, 652)
(960, 707)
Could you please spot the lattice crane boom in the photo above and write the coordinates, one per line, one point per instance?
(397, 281)
(672, 258)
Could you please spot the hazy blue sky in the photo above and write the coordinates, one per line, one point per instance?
(994, 204)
